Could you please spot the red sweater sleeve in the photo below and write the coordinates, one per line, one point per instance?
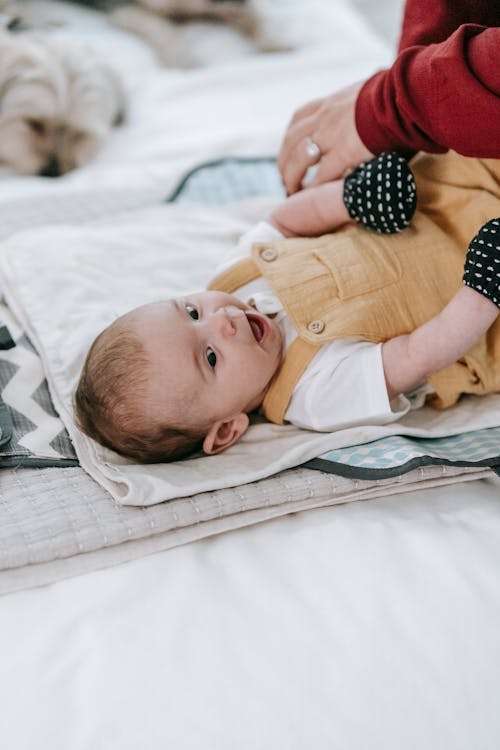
(433, 21)
(437, 97)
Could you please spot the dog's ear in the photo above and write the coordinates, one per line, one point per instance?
(8, 68)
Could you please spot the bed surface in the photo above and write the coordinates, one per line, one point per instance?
(368, 625)
(372, 624)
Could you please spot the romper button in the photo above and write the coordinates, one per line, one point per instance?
(268, 254)
(316, 326)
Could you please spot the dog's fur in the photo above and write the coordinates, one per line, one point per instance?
(193, 33)
(58, 102)
(239, 15)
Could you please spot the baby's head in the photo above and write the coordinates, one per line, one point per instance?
(169, 378)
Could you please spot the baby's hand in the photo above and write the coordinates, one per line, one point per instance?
(379, 195)
(312, 211)
(482, 263)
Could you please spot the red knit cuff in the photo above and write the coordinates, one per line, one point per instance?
(483, 58)
(372, 132)
(435, 98)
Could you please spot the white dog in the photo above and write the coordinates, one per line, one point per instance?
(57, 103)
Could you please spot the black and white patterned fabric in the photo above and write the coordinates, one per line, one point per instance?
(482, 263)
(381, 194)
(31, 433)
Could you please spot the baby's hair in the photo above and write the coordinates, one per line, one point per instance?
(107, 402)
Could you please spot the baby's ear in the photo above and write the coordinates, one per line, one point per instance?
(224, 433)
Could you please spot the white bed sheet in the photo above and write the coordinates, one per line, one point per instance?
(369, 625)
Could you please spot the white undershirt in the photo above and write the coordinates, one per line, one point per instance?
(344, 384)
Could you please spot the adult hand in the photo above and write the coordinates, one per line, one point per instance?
(330, 124)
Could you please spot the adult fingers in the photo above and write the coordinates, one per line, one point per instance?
(330, 123)
(296, 156)
(337, 162)
(330, 167)
(305, 111)
(306, 155)
(326, 127)
(298, 129)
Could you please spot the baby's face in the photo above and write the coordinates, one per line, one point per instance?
(208, 349)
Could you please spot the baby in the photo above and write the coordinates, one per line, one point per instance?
(172, 377)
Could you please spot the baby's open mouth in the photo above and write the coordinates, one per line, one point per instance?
(257, 326)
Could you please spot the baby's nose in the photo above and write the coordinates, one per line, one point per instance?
(226, 319)
(234, 312)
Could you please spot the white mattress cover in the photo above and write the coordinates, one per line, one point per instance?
(369, 625)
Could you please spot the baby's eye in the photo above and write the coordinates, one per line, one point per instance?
(211, 357)
(192, 311)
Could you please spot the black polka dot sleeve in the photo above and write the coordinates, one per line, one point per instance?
(482, 263)
(381, 194)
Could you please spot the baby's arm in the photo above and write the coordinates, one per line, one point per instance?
(312, 211)
(409, 359)
(379, 195)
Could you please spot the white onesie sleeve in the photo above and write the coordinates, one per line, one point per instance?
(343, 386)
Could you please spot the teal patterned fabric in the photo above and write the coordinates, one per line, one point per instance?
(227, 180)
(397, 454)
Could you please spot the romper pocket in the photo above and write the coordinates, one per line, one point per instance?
(360, 265)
